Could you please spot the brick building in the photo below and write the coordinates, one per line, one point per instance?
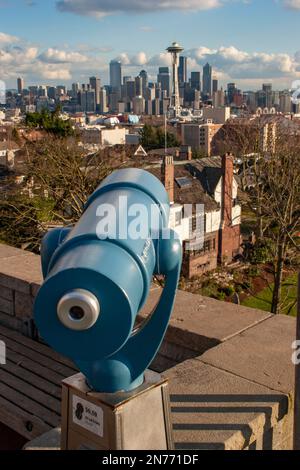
(211, 182)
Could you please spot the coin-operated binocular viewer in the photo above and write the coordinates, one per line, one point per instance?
(97, 278)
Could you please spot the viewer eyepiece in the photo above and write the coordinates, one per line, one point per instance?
(78, 310)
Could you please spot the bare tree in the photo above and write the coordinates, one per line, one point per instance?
(60, 170)
(270, 175)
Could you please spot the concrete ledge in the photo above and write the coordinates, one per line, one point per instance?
(262, 354)
(200, 323)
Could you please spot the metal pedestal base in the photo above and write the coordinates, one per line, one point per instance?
(137, 420)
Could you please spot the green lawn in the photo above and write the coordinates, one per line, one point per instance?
(263, 300)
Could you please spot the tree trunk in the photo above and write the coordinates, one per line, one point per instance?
(278, 277)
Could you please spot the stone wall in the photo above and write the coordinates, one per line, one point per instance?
(230, 369)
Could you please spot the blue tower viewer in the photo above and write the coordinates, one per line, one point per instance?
(97, 278)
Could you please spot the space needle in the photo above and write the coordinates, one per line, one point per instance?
(175, 49)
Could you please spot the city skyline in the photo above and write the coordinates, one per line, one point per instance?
(77, 43)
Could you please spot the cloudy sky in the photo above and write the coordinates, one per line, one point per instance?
(58, 42)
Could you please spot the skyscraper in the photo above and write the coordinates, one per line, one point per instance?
(196, 81)
(103, 101)
(215, 85)
(95, 84)
(145, 81)
(231, 91)
(115, 73)
(20, 83)
(164, 79)
(182, 69)
(207, 80)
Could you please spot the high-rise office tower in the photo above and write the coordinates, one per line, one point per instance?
(51, 92)
(219, 98)
(196, 81)
(61, 90)
(182, 70)
(175, 49)
(138, 86)
(95, 84)
(75, 89)
(164, 79)
(103, 101)
(285, 103)
(115, 73)
(267, 89)
(130, 89)
(20, 84)
(207, 80)
(231, 91)
(215, 85)
(87, 100)
(145, 81)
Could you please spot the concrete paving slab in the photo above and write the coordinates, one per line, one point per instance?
(262, 354)
(201, 323)
(19, 272)
(9, 251)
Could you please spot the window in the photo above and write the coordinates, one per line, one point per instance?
(178, 218)
(207, 245)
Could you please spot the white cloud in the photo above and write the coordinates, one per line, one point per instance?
(8, 39)
(99, 8)
(240, 64)
(64, 64)
(292, 4)
(57, 56)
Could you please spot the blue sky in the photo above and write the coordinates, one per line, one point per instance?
(250, 42)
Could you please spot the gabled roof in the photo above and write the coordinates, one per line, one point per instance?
(140, 152)
(208, 171)
(9, 146)
(193, 193)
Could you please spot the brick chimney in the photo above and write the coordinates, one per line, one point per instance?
(227, 189)
(168, 176)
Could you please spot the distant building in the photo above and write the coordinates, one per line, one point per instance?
(103, 101)
(7, 153)
(145, 82)
(219, 98)
(285, 103)
(87, 101)
(219, 115)
(182, 69)
(138, 105)
(20, 85)
(200, 136)
(210, 182)
(102, 136)
(95, 84)
(196, 81)
(231, 90)
(215, 85)
(207, 80)
(115, 73)
(164, 79)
